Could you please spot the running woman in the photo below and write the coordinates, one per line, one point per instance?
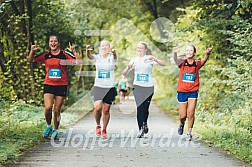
(188, 85)
(143, 85)
(55, 83)
(123, 88)
(104, 87)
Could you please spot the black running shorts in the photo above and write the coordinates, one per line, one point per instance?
(107, 95)
(56, 90)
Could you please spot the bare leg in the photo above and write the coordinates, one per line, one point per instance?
(97, 112)
(56, 111)
(122, 96)
(182, 117)
(182, 112)
(190, 112)
(48, 101)
(106, 115)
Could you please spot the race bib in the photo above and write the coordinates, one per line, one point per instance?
(187, 77)
(54, 73)
(122, 86)
(103, 74)
(143, 77)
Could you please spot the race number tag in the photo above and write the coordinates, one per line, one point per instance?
(122, 86)
(143, 77)
(54, 73)
(187, 77)
(103, 74)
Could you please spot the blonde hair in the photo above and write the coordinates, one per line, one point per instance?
(103, 41)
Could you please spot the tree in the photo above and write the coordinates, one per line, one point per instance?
(22, 25)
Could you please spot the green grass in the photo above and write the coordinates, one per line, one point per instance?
(235, 141)
(168, 104)
(18, 140)
(22, 128)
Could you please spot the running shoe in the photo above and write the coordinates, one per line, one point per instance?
(141, 133)
(189, 137)
(145, 128)
(181, 129)
(104, 133)
(98, 130)
(47, 132)
(54, 134)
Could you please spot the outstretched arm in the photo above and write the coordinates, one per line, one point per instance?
(158, 61)
(208, 52)
(127, 69)
(178, 59)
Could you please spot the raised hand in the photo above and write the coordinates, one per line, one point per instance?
(71, 47)
(34, 47)
(88, 47)
(209, 50)
(176, 49)
(152, 58)
(130, 66)
(113, 51)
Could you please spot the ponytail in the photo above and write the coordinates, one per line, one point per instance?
(148, 51)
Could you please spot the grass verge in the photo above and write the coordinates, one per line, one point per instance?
(236, 141)
(22, 128)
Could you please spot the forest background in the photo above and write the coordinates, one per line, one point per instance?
(223, 116)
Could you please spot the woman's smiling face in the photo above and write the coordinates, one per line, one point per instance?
(104, 47)
(190, 51)
(54, 43)
(141, 50)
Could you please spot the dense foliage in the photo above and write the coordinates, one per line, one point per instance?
(224, 107)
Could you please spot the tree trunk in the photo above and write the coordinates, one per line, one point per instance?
(2, 59)
(29, 27)
(23, 79)
(30, 41)
(152, 7)
(22, 12)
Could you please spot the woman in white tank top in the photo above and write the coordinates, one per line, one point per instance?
(104, 89)
(143, 85)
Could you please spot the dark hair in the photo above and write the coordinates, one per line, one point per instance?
(148, 51)
(54, 36)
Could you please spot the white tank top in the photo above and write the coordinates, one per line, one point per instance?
(143, 71)
(104, 76)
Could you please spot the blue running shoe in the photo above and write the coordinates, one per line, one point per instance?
(47, 132)
(54, 134)
(181, 129)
